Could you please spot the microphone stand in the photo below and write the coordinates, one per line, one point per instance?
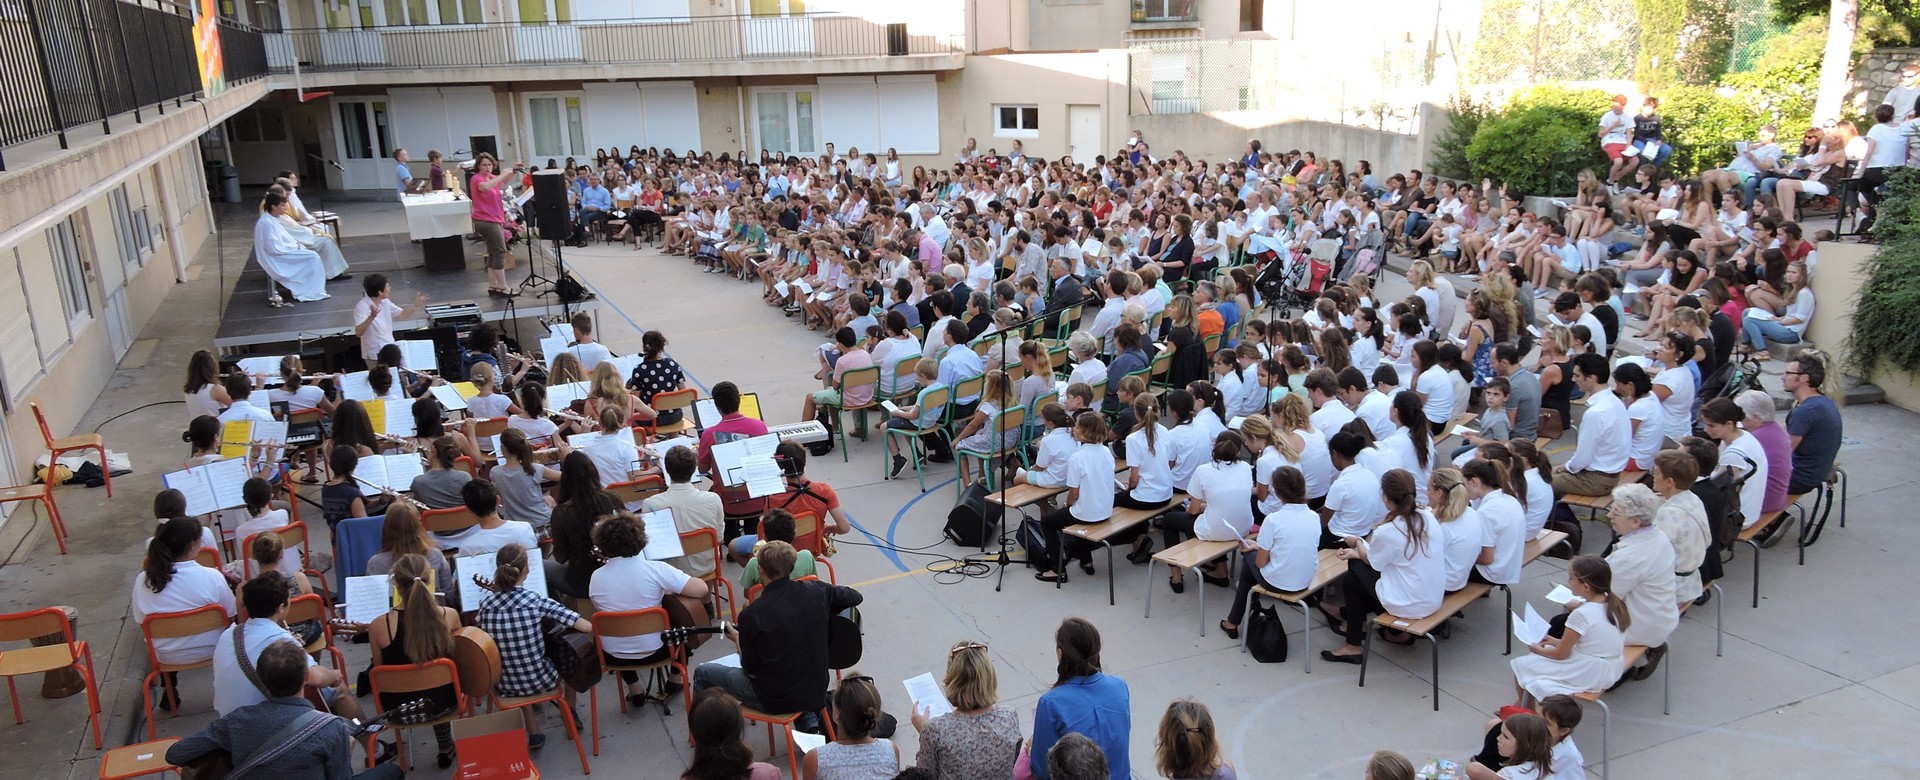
(1001, 559)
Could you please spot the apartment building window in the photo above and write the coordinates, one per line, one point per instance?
(1016, 121)
(132, 228)
(559, 125)
(63, 241)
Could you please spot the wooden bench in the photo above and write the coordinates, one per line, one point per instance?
(1193, 554)
(1751, 535)
(1455, 602)
(1023, 495)
(1102, 533)
(1597, 504)
(1465, 418)
(1331, 567)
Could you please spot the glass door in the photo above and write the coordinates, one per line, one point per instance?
(558, 127)
(365, 139)
(786, 122)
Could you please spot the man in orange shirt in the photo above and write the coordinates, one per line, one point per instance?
(1210, 322)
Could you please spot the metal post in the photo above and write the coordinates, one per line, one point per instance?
(93, 68)
(120, 36)
(46, 72)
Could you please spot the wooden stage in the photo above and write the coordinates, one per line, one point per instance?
(248, 321)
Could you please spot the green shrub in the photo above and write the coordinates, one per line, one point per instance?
(1702, 126)
(1886, 320)
(1540, 140)
(1464, 116)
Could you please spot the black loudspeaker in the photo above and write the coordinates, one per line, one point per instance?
(550, 205)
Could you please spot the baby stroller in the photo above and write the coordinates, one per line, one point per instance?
(1288, 282)
(1366, 259)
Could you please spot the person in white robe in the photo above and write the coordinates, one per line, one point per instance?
(293, 265)
(332, 262)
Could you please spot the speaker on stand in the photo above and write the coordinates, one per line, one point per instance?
(554, 220)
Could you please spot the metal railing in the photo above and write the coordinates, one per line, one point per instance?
(71, 63)
(599, 42)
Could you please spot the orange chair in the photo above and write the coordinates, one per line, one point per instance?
(634, 491)
(301, 609)
(449, 520)
(693, 541)
(137, 760)
(754, 592)
(630, 623)
(294, 535)
(676, 399)
(208, 557)
(807, 535)
(47, 621)
(175, 625)
(412, 679)
(65, 444)
(44, 495)
(558, 698)
(465, 464)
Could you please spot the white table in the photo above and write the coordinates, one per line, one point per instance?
(437, 215)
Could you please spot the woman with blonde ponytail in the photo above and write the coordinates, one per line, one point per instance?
(1586, 655)
(1187, 747)
(416, 632)
(1460, 526)
(1292, 414)
(1272, 449)
(512, 615)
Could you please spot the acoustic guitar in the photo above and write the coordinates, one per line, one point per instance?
(216, 765)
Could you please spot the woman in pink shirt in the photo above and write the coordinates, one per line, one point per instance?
(490, 220)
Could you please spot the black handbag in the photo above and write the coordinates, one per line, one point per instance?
(1266, 635)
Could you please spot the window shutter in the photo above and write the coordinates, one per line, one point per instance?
(18, 356)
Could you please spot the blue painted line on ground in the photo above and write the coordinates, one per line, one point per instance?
(904, 508)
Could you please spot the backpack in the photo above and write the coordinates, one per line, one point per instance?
(1729, 486)
(1266, 635)
(824, 416)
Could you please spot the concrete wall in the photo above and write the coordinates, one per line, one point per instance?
(1222, 135)
(1842, 271)
(1049, 81)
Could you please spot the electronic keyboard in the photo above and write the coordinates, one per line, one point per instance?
(803, 432)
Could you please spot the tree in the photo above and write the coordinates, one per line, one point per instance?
(1843, 20)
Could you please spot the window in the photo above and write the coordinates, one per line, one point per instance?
(558, 124)
(63, 241)
(1016, 121)
(130, 226)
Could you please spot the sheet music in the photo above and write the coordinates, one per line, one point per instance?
(482, 564)
(562, 329)
(225, 478)
(729, 660)
(354, 387)
(367, 598)
(267, 366)
(465, 390)
(449, 397)
(234, 435)
(663, 536)
(418, 355)
(807, 743)
(1530, 628)
(626, 364)
(399, 418)
(401, 469)
(552, 346)
(371, 474)
(925, 692)
(661, 447)
(763, 478)
(781, 288)
(1560, 595)
(559, 397)
(274, 433)
(194, 486)
(705, 413)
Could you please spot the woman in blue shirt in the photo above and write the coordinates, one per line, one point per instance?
(1083, 700)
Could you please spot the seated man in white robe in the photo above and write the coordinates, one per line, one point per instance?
(333, 263)
(294, 266)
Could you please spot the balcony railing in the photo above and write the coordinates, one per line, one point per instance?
(600, 42)
(1158, 11)
(71, 63)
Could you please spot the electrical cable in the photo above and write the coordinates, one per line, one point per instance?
(103, 423)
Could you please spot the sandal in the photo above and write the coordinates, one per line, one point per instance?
(1050, 576)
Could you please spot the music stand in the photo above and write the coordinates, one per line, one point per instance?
(1001, 558)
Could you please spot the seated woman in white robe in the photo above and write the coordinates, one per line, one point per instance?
(283, 257)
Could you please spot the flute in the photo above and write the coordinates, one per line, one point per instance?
(390, 493)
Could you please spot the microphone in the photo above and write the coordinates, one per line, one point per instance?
(336, 165)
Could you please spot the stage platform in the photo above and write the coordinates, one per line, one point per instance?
(248, 320)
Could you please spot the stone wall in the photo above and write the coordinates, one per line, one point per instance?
(1876, 72)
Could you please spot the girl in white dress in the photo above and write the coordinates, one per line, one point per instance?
(1586, 656)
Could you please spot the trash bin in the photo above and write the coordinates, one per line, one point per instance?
(230, 182)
